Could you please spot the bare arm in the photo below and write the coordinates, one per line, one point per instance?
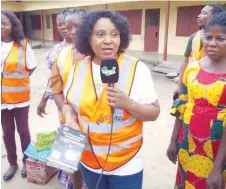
(185, 63)
(172, 149)
(42, 105)
(221, 155)
(70, 115)
(176, 130)
(182, 69)
(144, 112)
(59, 100)
(215, 179)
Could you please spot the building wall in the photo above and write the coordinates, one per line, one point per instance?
(48, 33)
(138, 40)
(176, 45)
(37, 34)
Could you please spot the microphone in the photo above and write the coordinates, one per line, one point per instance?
(109, 71)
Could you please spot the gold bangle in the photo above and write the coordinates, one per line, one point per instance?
(131, 107)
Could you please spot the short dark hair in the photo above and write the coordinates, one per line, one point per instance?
(86, 28)
(218, 19)
(17, 29)
(216, 8)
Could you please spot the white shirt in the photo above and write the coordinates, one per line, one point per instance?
(143, 91)
(31, 63)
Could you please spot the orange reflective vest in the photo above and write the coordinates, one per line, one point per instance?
(65, 61)
(197, 52)
(95, 117)
(15, 76)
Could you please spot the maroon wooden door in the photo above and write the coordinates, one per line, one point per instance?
(56, 35)
(151, 37)
(151, 42)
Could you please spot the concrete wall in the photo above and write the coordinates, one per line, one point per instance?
(48, 33)
(37, 34)
(176, 45)
(138, 40)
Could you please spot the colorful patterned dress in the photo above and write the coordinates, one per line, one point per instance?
(202, 108)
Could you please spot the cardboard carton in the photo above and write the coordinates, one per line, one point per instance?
(39, 173)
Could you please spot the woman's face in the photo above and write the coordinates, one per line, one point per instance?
(61, 26)
(72, 23)
(205, 16)
(6, 27)
(105, 39)
(215, 43)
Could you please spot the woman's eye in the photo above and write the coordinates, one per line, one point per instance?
(100, 34)
(208, 38)
(114, 34)
(221, 39)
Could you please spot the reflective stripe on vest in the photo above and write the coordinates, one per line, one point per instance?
(15, 89)
(126, 132)
(15, 76)
(65, 62)
(197, 52)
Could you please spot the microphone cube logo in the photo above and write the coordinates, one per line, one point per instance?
(108, 72)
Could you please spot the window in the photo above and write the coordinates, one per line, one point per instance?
(134, 18)
(48, 21)
(187, 20)
(36, 22)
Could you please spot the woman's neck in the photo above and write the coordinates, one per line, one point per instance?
(7, 39)
(98, 60)
(216, 66)
(68, 40)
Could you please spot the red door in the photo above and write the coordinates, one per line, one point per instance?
(56, 35)
(151, 37)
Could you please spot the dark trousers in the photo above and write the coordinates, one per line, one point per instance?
(112, 181)
(10, 118)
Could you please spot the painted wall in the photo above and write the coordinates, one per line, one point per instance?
(37, 34)
(138, 40)
(176, 45)
(48, 33)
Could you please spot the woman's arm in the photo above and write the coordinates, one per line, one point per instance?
(172, 149)
(42, 105)
(142, 102)
(70, 116)
(221, 155)
(215, 179)
(59, 100)
(31, 62)
(143, 112)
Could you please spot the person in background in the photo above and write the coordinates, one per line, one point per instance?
(194, 50)
(51, 58)
(18, 63)
(66, 58)
(89, 102)
(198, 137)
